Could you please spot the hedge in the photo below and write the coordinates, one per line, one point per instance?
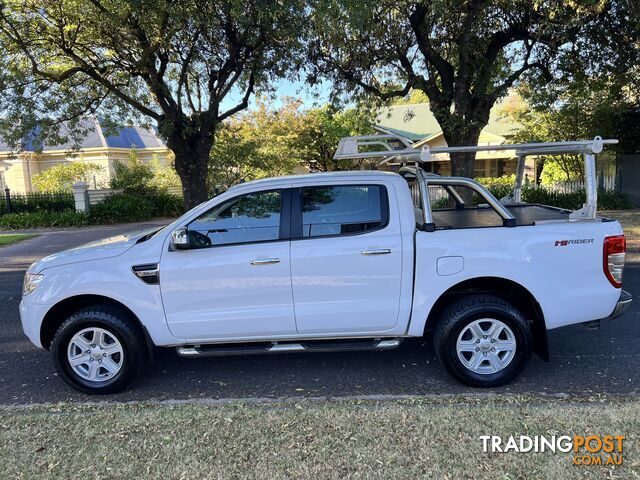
(70, 218)
(116, 208)
(130, 207)
(503, 186)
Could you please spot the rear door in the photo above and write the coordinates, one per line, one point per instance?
(346, 259)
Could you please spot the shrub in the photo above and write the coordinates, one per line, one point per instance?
(121, 207)
(498, 186)
(69, 218)
(132, 177)
(607, 199)
(61, 177)
(166, 204)
(142, 178)
(129, 207)
(440, 203)
(163, 177)
(503, 186)
(610, 200)
(570, 201)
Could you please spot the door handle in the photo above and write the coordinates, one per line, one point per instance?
(380, 251)
(264, 261)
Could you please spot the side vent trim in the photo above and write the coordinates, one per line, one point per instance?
(148, 273)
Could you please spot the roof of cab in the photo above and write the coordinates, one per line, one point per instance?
(351, 174)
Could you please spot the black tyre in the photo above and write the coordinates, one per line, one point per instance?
(98, 350)
(483, 341)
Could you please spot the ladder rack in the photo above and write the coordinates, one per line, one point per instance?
(399, 147)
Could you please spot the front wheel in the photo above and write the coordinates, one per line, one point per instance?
(98, 350)
(483, 341)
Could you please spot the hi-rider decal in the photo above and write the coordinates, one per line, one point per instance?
(565, 243)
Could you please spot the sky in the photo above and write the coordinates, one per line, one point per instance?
(311, 97)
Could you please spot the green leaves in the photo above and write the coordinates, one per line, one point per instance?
(137, 177)
(61, 177)
(465, 55)
(274, 141)
(172, 62)
(133, 176)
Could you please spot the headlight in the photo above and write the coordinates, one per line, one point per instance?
(31, 281)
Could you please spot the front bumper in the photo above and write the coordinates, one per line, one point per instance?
(31, 315)
(624, 302)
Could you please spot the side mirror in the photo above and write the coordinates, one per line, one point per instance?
(180, 239)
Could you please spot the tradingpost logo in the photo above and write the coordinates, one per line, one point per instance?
(585, 449)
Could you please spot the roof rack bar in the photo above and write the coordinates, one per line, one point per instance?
(577, 145)
(348, 147)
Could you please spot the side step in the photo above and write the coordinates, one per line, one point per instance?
(341, 345)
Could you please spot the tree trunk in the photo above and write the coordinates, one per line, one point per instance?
(463, 164)
(194, 183)
(192, 160)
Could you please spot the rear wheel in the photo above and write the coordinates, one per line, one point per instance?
(483, 341)
(98, 350)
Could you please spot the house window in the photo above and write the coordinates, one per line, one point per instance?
(479, 168)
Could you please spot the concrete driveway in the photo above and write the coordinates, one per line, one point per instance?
(584, 362)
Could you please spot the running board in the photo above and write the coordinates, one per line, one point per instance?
(223, 350)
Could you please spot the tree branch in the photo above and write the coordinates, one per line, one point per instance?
(445, 69)
(351, 77)
(186, 63)
(245, 100)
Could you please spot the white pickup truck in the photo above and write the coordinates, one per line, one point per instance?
(329, 262)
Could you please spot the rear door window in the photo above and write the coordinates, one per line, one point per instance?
(343, 210)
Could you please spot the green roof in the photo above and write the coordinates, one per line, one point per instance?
(416, 121)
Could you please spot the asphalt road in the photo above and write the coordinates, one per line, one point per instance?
(584, 362)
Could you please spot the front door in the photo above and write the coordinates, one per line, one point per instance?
(346, 264)
(237, 283)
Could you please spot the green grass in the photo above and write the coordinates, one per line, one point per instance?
(9, 239)
(423, 438)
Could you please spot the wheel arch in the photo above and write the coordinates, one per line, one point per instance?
(59, 312)
(510, 291)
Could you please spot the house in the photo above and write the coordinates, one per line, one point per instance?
(416, 123)
(98, 146)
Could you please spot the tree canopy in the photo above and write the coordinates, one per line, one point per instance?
(187, 66)
(269, 141)
(465, 55)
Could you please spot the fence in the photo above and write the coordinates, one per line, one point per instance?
(604, 183)
(35, 202)
(98, 195)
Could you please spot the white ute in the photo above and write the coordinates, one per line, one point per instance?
(332, 262)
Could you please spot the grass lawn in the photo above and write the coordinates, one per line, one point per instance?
(630, 220)
(8, 239)
(428, 438)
